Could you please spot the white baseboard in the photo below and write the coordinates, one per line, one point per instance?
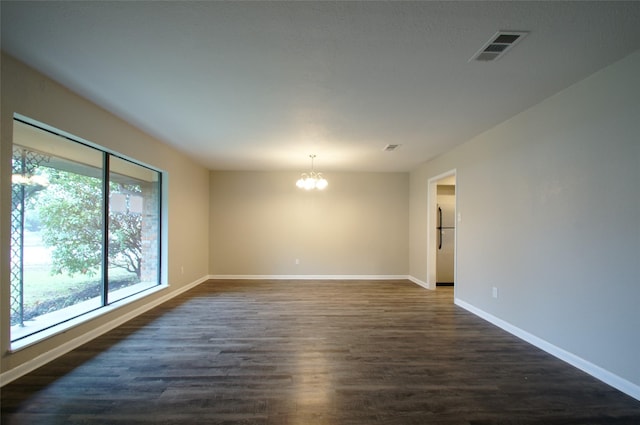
(306, 277)
(597, 372)
(42, 359)
(417, 281)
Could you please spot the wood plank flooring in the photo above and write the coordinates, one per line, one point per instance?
(311, 352)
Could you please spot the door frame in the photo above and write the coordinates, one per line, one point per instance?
(432, 237)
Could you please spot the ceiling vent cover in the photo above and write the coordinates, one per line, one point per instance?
(498, 45)
(391, 148)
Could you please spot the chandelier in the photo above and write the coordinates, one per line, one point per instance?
(312, 180)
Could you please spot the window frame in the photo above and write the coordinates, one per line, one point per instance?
(158, 284)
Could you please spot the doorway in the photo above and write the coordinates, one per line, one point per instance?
(445, 229)
(442, 221)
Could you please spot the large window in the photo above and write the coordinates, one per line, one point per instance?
(85, 229)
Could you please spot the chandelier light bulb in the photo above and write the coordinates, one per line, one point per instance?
(301, 180)
(310, 183)
(322, 183)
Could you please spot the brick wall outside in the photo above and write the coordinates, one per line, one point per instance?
(150, 232)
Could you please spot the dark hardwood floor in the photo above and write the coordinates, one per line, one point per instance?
(311, 352)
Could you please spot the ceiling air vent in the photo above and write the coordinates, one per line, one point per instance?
(391, 148)
(498, 45)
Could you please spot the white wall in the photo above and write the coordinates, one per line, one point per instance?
(261, 223)
(550, 208)
(31, 94)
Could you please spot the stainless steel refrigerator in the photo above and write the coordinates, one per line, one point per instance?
(446, 228)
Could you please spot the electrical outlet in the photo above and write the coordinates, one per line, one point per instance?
(297, 261)
(494, 292)
(182, 269)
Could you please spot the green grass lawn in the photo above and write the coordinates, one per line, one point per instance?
(40, 285)
(44, 292)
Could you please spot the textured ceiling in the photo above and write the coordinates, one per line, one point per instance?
(261, 85)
